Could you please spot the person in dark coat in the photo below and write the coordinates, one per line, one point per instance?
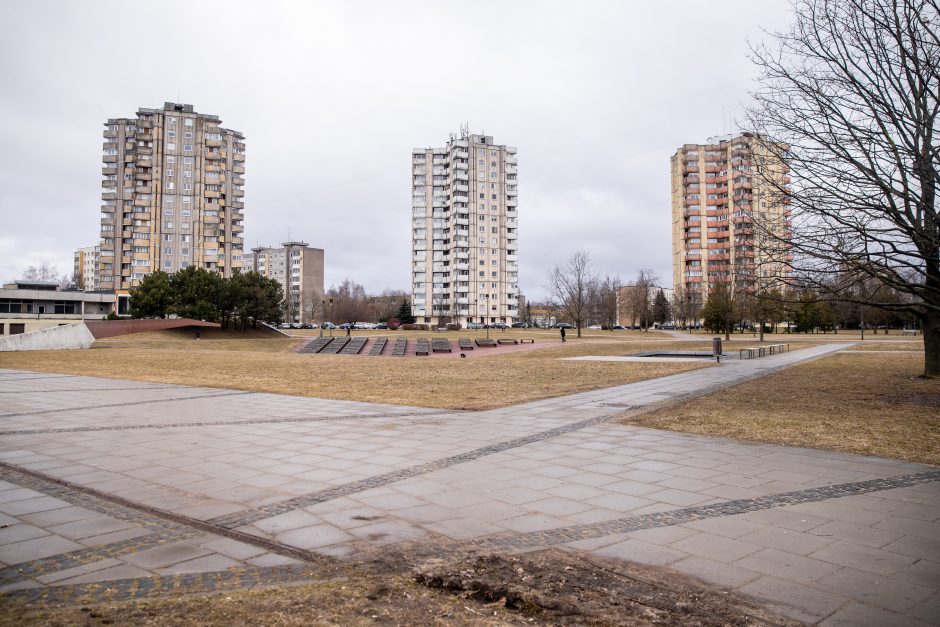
(563, 334)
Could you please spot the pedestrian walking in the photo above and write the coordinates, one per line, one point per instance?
(563, 334)
(349, 330)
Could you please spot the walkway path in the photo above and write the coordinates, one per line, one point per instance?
(232, 483)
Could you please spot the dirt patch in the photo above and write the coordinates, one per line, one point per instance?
(555, 587)
(549, 587)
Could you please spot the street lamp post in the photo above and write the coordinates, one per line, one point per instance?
(322, 310)
(331, 317)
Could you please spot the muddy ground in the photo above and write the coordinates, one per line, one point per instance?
(552, 587)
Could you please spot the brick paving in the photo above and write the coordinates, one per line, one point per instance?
(823, 537)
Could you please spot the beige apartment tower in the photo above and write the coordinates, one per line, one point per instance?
(464, 231)
(172, 195)
(729, 223)
(299, 269)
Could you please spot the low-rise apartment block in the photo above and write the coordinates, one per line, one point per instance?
(85, 272)
(33, 305)
(299, 269)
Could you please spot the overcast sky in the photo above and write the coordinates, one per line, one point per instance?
(333, 96)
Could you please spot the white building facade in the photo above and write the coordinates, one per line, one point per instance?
(464, 227)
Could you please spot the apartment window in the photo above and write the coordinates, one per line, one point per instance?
(169, 225)
(493, 274)
(187, 147)
(187, 200)
(187, 187)
(188, 121)
(187, 160)
(168, 211)
(494, 229)
(171, 120)
(171, 134)
(171, 159)
(482, 274)
(185, 226)
(171, 146)
(185, 213)
(167, 251)
(169, 172)
(169, 184)
(188, 135)
(492, 196)
(167, 264)
(188, 174)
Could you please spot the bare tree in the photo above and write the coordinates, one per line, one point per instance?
(570, 286)
(604, 301)
(850, 98)
(640, 297)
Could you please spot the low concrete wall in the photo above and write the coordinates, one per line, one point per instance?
(65, 337)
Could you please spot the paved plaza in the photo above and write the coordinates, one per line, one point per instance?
(154, 488)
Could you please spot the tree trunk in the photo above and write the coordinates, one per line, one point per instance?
(931, 325)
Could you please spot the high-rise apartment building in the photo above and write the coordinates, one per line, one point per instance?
(299, 269)
(172, 195)
(85, 271)
(464, 227)
(729, 223)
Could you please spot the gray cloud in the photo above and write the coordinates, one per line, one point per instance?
(333, 96)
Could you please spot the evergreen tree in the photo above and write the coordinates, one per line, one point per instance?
(153, 298)
(404, 313)
(662, 311)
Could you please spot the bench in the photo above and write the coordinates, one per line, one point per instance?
(354, 346)
(527, 341)
(484, 343)
(379, 346)
(440, 345)
(752, 352)
(465, 344)
(400, 346)
(760, 351)
(910, 332)
(335, 346)
(507, 341)
(422, 347)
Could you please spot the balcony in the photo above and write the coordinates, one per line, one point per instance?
(462, 255)
(213, 143)
(462, 166)
(109, 159)
(238, 156)
(463, 266)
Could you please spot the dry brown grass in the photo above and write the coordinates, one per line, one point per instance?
(870, 404)
(889, 346)
(264, 365)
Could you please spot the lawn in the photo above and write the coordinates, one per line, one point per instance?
(265, 364)
(871, 403)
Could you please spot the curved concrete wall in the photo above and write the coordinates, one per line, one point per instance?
(65, 337)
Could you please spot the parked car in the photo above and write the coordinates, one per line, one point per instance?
(563, 325)
(327, 325)
(295, 325)
(476, 325)
(308, 325)
(284, 325)
(595, 327)
(618, 327)
(499, 325)
(521, 325)
(346, 325)
(668, 327)
(381, 325)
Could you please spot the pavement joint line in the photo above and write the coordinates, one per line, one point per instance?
(67, 490)
(158, 400)
(252, 421)
(574, 533)
(7, 377)
(156, 386)
(248, 516)
(150, 587)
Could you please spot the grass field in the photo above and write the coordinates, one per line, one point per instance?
(873, 404)
(264, 363)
